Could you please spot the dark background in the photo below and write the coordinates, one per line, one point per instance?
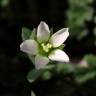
(14, 65)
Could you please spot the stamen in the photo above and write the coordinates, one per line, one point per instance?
(46, 47)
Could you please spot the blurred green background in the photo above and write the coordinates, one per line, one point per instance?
(75, 79)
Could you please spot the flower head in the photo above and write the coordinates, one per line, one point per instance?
(45, 47)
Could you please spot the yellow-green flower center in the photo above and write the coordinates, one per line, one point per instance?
(46, 47)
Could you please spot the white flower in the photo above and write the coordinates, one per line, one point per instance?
(46, 47)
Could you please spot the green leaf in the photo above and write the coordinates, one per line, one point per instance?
(4, 3)
(51, 31)
(65, 68)
(32, 58)
(76, 21)
(61, 46)
(34, 74)
(26, 33)
(85, 77)
(33, 34)
(91, 59)
(46, 75)
(82, 34)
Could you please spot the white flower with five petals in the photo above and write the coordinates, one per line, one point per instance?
(46, 47)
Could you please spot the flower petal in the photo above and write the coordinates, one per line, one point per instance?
(59, 37)
(59, 55)
(43, 32)
(29, 46)
(41, 61)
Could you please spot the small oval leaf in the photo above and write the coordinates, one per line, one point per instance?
(34, 74)
(26, 33)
